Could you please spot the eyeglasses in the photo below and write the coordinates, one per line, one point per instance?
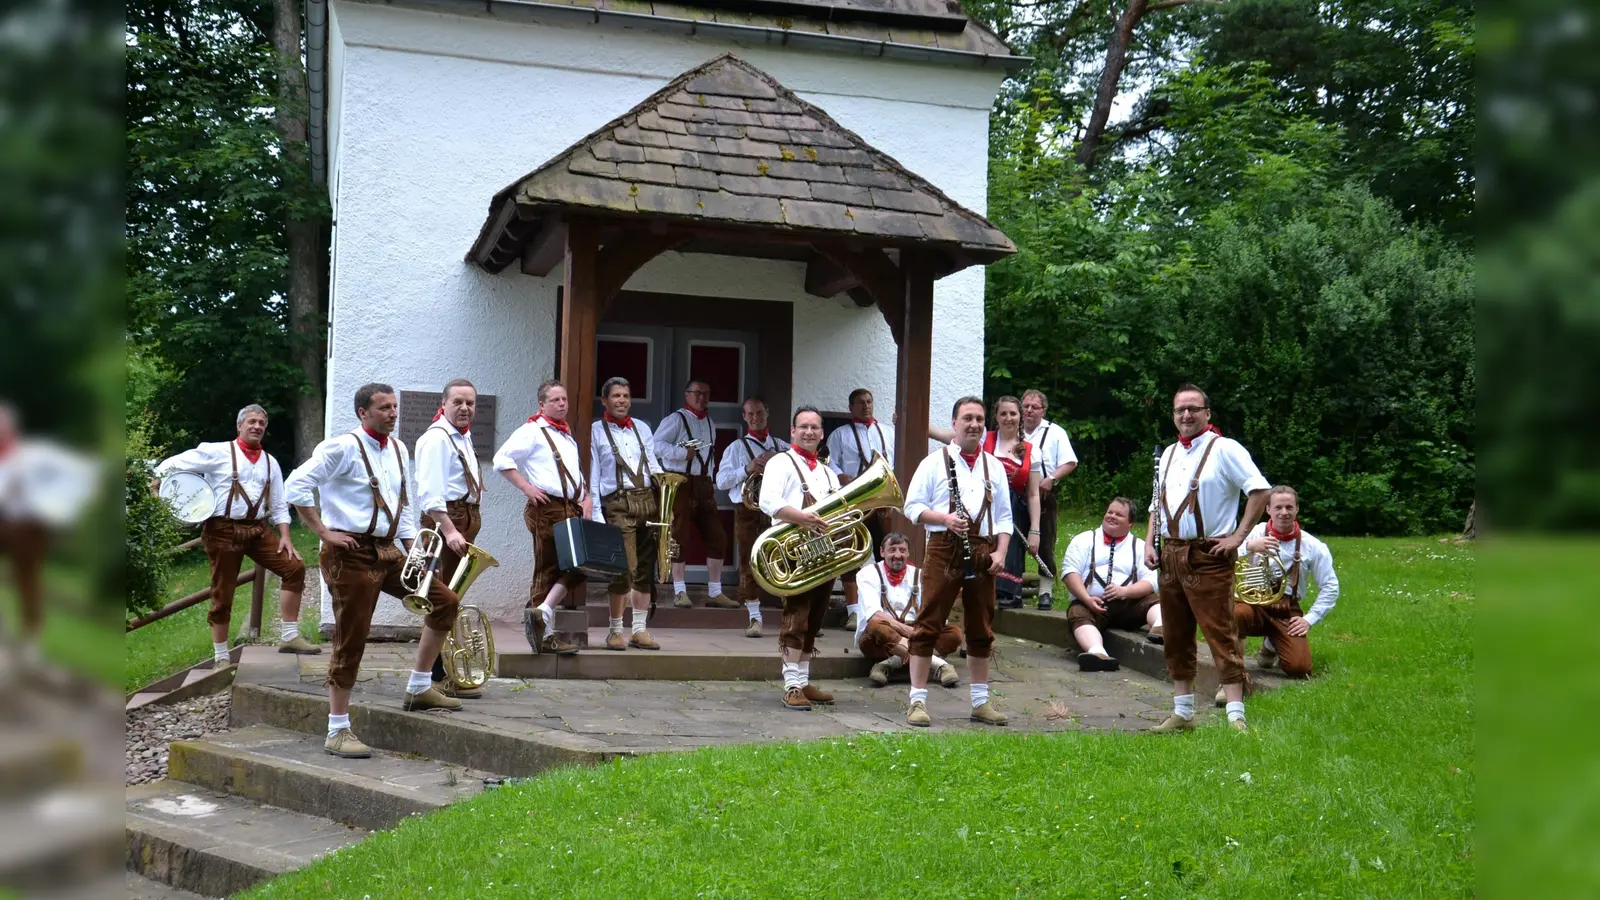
(698, 393)
(1191, 410)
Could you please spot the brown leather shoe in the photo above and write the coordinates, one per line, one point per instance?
(344, 744)
(817, 695)
(299, 645)
(558, 646)
(795, 698)
(753, 629)
(682, 601)
(723, 601)
(615, 641)
(948, 676)
(988, 715)
(533, 628)
(1173, 723)
(918, 715)
(459, 693)
(644, 641)
(880, 673)
(432, 698)
(1238, 725)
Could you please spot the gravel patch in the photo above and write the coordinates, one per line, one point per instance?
(152, 728)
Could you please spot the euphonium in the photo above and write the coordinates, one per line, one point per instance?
(787, 559)
(469, 647)
(1259, 579)
(667, 484)
(419, 569)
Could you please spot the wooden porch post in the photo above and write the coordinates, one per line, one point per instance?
(913, 371)
(580, 314)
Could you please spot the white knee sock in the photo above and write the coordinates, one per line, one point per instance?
(679, 587)
(1157, 622)
(792, 677)
(616, 624)
(805, 671)
(1098, 648)
(219, 651)
(638, 620)
(1235, 710)
(548, 610)
(1267, 645)
(288, 631)
(895, 662)
(980, 695)
(420, 681)
(1183, 706)
(919, 694)
(335, 723)
(714, 589)
(754, 607)
(853, 608)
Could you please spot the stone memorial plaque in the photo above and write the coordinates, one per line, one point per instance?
(416, 414)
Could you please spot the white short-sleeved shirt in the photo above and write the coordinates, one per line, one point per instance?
(528, 451)
(336, 475)
(730, 471)
(930, 489)
(447, 468)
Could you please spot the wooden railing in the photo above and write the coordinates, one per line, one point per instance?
(257, 577)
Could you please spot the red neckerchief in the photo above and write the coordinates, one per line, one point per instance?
(6, 446)
(867, 422)
(760, 436)
(1110, 541)
(807, 455)
(382, 439)
(1284, 537)
(440, 415)
(560, 426)
(1185, 441)
(972, 459)
(697, 413)
(253, 455)
(626, 422)
(894, 580)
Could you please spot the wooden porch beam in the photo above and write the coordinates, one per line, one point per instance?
(877, 274)
(622, 257)
(826, 278)
(580, 315)
(914, 373)
(542, 251)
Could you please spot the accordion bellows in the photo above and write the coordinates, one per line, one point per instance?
(589, 546)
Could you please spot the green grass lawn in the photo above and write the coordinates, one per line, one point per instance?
(1358, 783)
(181, 640)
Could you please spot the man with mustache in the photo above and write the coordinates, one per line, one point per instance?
(891, 597)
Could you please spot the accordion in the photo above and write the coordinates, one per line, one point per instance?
(589, 546)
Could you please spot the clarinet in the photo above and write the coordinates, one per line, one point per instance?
(1155, 506)
(961, 508)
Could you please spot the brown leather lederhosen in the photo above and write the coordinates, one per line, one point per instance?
(631, 510)
(747, 526)
(695, 504)
(1294, 651)
(878, 640)
(541, 520)
(1197, 589)
(803, 612)
(464, 512)
(945, 576)
(228, 541)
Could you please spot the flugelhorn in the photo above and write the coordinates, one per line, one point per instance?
(787, 559)
(468, 652)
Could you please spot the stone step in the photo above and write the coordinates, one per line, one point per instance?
(290, 769)
(60, 838)
(218, 845)
(383, 725)
(138, 887)
(32, 762)
(668, 616)
(760, 663)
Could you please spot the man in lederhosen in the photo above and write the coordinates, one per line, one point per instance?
(251, 519)
(794, 480)
(353, 493)
(621, 467)
(1201, 477)
(543, 461)
(850, 450)
(891, 596)
(743, 460)
(450, 492)
(980, 510)
(1053, 457)
(695, 506)
(1111, 587)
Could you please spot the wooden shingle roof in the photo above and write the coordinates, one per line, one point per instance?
(726, 145)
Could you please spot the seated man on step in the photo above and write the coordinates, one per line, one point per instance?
(891, 594)
(1111, 586)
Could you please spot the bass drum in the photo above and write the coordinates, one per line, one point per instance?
(188, 496)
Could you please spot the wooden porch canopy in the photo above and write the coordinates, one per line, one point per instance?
(726, 160)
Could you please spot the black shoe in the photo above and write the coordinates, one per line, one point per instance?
(1044, 603)
(1089, 662)
(1010, 603)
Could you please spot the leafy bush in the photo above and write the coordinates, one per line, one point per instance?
(151, 530)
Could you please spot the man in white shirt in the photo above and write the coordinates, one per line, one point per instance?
(1053, 456)
(792, 481)
(542, 460)
(251, 519)
(968, 531)
(686, 442)
(1196, 512)
(450, 492)
(891, 596)
(1111, 586)
(851, 449)
(739, 473)
(353, 492)
(622, 469)
(1284, 626)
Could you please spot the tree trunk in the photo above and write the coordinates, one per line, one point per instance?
(1116, 61)
(303, 232)
(1471, 530)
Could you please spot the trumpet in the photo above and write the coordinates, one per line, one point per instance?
(667, 483)
(468, 653)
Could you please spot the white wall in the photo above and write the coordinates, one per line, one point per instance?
(435, 113)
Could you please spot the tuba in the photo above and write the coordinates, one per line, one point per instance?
(468, 652)
(787, 559)
(1259, 579)
(667, 484)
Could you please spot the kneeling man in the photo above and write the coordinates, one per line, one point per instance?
(1283, 624)
(891, 595)
(1111, 586)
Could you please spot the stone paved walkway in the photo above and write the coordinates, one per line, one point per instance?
(1036, 684)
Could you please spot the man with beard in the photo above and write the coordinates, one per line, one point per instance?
(891, 597)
